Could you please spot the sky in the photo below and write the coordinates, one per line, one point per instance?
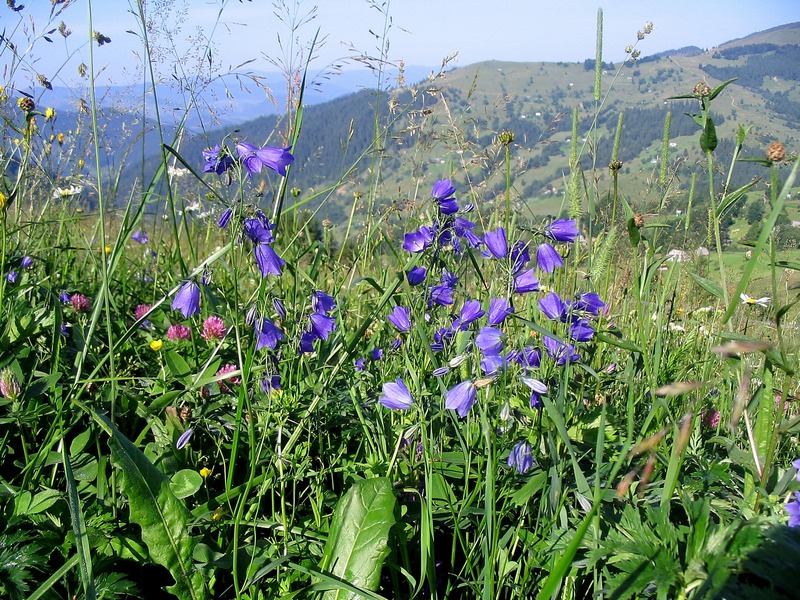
(418, 32)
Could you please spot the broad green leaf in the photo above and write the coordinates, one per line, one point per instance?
(28, 504)
(79, 442)
(708, 139)
(633, 232)
(358, 541)
(163, 518)
(185, 483)
(178, 367)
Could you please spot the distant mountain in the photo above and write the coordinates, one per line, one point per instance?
(448, 126)
(231, 99)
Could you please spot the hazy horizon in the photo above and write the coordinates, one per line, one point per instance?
(419, 34)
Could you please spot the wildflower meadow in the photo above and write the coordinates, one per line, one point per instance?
(210, 390)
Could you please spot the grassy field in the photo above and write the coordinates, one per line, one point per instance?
(516, 398)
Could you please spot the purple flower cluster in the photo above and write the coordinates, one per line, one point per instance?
(258, 230)
(522, 261)
(320, 323)
(252, 159)
(447, 229)
(576, 313)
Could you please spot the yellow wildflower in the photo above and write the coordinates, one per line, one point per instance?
(49, 113)
(156, 345)
(217, 515)
(108, 249)
(3, 201)
(205, 472)
(60, 138)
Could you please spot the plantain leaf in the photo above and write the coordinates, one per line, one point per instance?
(358, 540)
(163, 518)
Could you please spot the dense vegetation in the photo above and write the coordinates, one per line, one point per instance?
(207, 390)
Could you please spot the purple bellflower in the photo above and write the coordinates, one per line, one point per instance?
(271, 384)
(561, 353)
(187, 300)
(268, 334)
(400, 317)
(520, 457)
(184, 439)
(537, 389)
(496, 243)
(322, 325)
(259, 230)
(489, 340)
(140, 236)
(520, 256)
(268, 260)
(461, 397)
(526, 281)
(322, 303)
(225, 218)
(528, 358)
(254, 159)
(307, 342)
(793, 509)
(470, 312)
(562, 230)
(396, 395)
(499, 309)
(553, 307)
(491, 364)
(581, 331)
(217, 160)
(441, 294)
(590, 302)
(416, 276)
(548, 258)
(442, 193)
(417, 241)
(463, 229)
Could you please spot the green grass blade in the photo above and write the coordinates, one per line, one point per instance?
(79, 528)
(561, 568)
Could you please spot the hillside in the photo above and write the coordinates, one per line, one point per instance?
(447, 126)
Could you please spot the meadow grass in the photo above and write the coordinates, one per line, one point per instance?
(210, 393)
